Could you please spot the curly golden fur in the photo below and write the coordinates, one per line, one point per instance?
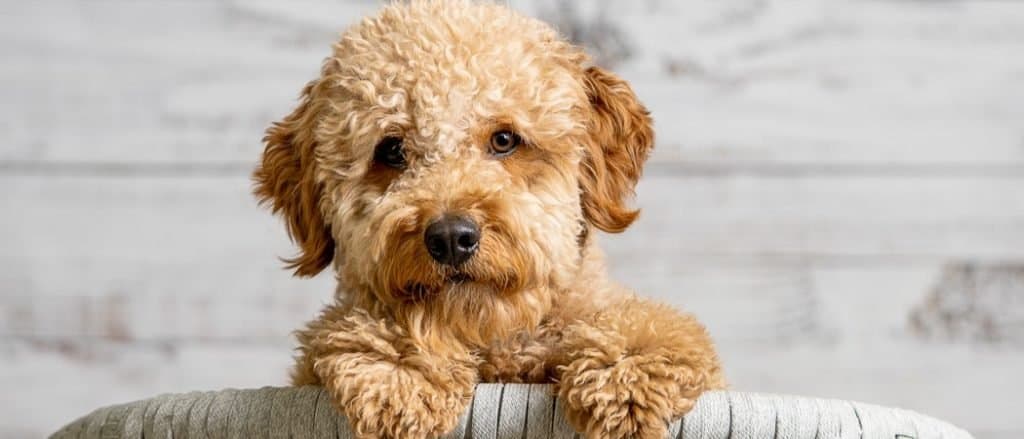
(407, 337)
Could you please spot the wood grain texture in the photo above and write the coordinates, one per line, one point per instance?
(175, 228)
(974, 302)
(745, 85)
(90, 255)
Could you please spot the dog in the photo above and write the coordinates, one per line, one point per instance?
(452, 163)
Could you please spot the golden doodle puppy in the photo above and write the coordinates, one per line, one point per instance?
(452, 163)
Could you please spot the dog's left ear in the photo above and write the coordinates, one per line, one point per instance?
(285, 179)
(621, 136)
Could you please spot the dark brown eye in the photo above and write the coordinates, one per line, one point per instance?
(504, 142)
(389, 153)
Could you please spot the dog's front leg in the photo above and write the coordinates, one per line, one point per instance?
(632, 368)
(389, 384)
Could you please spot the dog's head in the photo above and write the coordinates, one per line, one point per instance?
(450, 160)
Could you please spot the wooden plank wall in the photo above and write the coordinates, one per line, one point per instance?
(838, 191)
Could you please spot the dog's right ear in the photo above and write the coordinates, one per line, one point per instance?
(285, 179)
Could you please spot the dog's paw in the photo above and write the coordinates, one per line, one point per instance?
(398, 405)
(634, 397)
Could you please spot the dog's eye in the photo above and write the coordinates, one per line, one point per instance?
(389, 152)
(504, 142)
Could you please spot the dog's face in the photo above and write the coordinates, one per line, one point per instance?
(450, 161)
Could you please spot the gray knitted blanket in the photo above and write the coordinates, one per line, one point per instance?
(514, 411)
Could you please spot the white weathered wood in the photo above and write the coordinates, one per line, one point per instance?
(867, 86)
(974, 302)
(169, 220)
(741, 303)
(169, 258)
(881, 217)
(851, 83)
(152, 258)
(166, 82)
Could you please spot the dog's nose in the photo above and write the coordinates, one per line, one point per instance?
(452, 240)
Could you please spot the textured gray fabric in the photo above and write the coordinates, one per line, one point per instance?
(485, 410)
(498, 411)
(515, 402)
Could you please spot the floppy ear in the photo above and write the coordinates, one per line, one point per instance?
(285, 180)
(621, 138)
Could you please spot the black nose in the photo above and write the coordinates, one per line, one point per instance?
(452, 240)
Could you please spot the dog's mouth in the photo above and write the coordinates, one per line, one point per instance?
(420, 291)
(460, 281)
(459, 278)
